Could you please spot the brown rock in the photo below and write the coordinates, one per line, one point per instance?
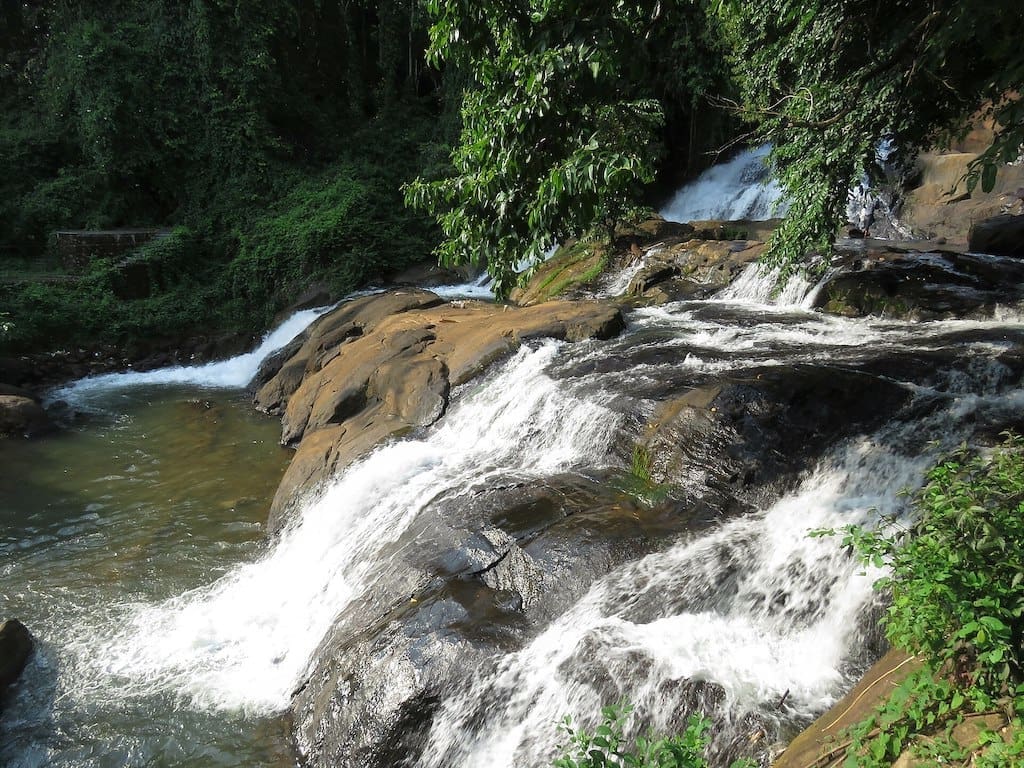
(20, 415)
(820, 738)
(356, 389)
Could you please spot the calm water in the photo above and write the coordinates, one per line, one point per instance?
(156, 494)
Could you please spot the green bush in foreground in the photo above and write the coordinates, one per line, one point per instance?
(957, 584)
(608, 746)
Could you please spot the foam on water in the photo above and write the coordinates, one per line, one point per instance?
(755, 607)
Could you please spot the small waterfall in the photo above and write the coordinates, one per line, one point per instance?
(245, 641)
(742, 188)
(760, 285)
(480, 288)
(234, 372)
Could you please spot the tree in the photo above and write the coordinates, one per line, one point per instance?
(560, 119)
(824, 81)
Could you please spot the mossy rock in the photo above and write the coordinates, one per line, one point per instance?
(573, 265)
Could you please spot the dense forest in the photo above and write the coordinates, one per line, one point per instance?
(286, 143)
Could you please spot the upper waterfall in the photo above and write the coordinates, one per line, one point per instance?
(742, 188)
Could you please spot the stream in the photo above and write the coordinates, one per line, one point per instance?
(450, 597)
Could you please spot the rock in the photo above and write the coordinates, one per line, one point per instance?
(741, 441)
(382, 365)
(820, 738)
(1000, 235)
(428, 274)
(20, 415)
(899, 283)
(939, 206)
(15, 648)
(699, 265)
(573, 266)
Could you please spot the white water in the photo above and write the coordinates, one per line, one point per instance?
(474, 289)
(762, 285)
(755, 607)
(245, 641)
(234, 372)
(742, 188)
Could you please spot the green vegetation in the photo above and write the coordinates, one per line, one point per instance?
(561, 122)
(274, 136)
(957, 585)
(278, 136)
(640, 463)
(607, 746)
(825, 81)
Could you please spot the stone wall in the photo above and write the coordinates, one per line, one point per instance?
(79, 247)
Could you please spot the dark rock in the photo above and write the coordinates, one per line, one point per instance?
(1000, 235)
(15, 649)
(23, 416)
(896, 283)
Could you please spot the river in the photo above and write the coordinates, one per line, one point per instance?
(172, 634)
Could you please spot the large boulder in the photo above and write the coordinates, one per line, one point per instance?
(1000, 235)
(939, 206)
(894, 282)
(382, 365)
(15, 649)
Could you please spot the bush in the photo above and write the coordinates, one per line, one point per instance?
(607, 745)
(957, 584)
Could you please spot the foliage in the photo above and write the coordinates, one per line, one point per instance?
(608, 746)
(277, 133)
(957, 585)
(825, 81)
(559, 121)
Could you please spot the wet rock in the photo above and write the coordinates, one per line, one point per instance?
(382, 365)
(15, 649)
(376, 683)
(23, 415)
(744, 440)
(697, 265)
(908, 284)
(1000, 235)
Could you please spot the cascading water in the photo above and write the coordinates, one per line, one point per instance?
(743, 618)
(764, 285)
(244, 642)
(232, 373)
(742, 188)
(756, 608)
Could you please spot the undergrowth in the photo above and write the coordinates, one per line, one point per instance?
(957, 584)
(608, 747)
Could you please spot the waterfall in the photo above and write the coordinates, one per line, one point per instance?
(245, 641)
(759, 284)
(234, 372)
(742, 188)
